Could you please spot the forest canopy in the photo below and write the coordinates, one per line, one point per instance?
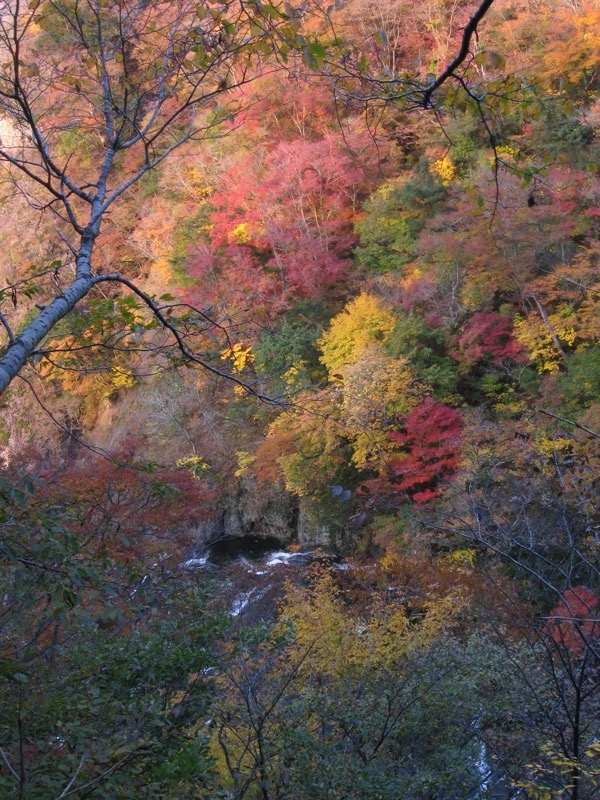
(321, 280)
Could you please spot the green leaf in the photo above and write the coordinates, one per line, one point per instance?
(526, 180)
(490, 58)
(314, 55)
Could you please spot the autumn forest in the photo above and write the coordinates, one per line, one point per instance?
(299, 400)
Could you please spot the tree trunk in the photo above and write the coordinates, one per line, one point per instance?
(17, 353)
(549, 328)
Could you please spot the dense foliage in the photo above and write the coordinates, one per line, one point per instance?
(393, 311)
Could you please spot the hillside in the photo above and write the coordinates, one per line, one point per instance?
(338, 318)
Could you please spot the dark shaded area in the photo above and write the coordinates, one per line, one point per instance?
(251, 547)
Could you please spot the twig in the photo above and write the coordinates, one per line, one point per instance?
(65, 791)
(569, 422)
(6, 326)
(8, 764)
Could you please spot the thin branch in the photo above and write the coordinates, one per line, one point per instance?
(98, 451)
(469, 32)
(8, 764)
(65, 791)
(9, 332)
(569, 422)
(188, 355)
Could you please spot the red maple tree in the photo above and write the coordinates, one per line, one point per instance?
(431, 437)
(284, 218)
(487, 336)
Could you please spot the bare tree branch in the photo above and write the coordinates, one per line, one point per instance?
(569, 422)
(465, 47)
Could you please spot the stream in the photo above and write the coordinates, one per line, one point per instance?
(256, 567)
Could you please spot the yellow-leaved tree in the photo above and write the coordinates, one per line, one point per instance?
(335, 695)
(363, 322)
(377, 389)
(342, 645)
(307, 444)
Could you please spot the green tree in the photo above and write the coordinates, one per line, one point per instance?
(103, 684)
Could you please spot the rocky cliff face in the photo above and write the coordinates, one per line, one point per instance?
(262, 513)
(310, 531)
(258, 511)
